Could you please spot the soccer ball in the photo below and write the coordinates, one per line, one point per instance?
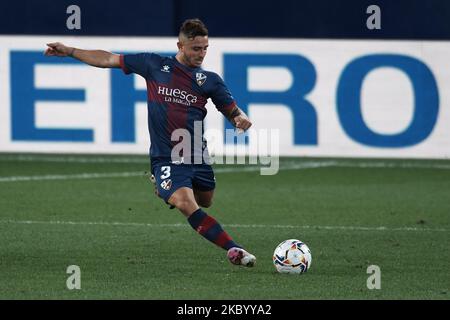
(292, 256)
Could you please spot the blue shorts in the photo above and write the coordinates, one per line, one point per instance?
(170, 177)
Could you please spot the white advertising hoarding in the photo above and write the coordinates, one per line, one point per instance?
(337, 98)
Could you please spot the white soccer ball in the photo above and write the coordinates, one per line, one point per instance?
(292, 256)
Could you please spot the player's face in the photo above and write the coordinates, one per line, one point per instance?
(193, 51)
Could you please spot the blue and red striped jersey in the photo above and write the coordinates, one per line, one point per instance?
(176, 99)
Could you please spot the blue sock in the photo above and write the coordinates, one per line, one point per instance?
(209, 228)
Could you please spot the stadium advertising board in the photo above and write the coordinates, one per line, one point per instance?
(324, 97)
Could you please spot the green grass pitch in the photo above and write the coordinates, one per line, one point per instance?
(99, 213)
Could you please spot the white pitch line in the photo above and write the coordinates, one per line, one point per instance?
(358, 163)
(99, 175)
(244, 168)
(72, 176)
(249, 226)
(74, 159)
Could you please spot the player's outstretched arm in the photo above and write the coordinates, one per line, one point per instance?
(96, 58)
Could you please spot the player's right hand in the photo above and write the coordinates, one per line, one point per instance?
(57, 49)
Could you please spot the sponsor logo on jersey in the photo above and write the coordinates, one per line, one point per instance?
(200, 77)
(177, 96)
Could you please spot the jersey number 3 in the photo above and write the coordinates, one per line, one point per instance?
(165, 172)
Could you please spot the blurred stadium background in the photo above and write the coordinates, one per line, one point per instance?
(364, 128)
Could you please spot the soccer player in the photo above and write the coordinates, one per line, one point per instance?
(177, 90)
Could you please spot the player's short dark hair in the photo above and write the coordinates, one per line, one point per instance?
(192, 28)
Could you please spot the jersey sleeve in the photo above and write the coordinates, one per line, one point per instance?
(139, 63)
(221, 96)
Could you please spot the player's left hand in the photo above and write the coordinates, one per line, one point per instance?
(242, 122)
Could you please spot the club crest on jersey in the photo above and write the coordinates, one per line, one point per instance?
(200, 77)
(166, 184)
(165, 68)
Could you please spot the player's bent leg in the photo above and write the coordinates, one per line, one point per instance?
(208, 227)
(184, 200)
(204, 198)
